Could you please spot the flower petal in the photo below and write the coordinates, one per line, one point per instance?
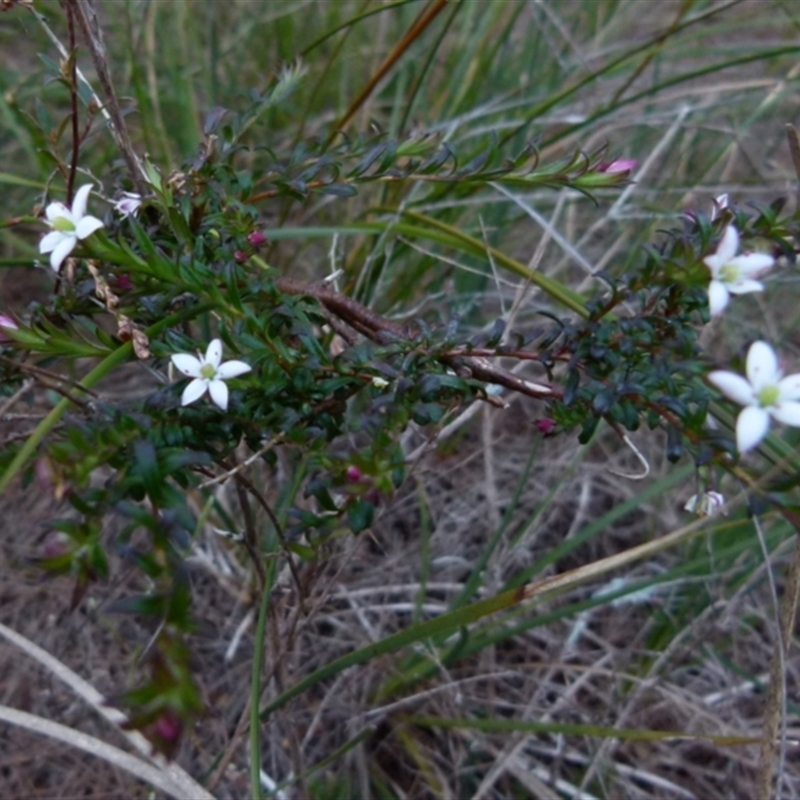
(219, 393)
(232, 369)
(728, 245)
(789, 388)
(51, 241)
(717, 297)
(744, 286)
(733, 386)
(787, 412)
(195, 390)
(762, 366)
(714, 263)
(751, 427)
(214, 353)
(61, 251)
(80, 201)
(752, 264)
(55, 210)
(187, 364)
(87, 226)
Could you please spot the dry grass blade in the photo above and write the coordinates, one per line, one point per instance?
(182, 785)
(773, 738)
(96, 747)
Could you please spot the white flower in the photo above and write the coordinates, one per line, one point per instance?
(128, 204)
(706, 504)
(208, 374)
(380, 383)
(69, 226)
(763, 394)
(732, 274)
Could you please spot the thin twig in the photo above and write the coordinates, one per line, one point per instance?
(26, 385)
(93, 35)
(73, 100)
(383, 331)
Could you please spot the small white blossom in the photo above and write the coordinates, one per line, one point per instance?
(208, 374)
(764, 393)
(128, 204)
(69, 226)
(732, 274)
(380, 383)
(706, 504)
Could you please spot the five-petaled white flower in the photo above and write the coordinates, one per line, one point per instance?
(69, 225)
(128, 204)
(732, 274)
(764, 393)
(208, 374)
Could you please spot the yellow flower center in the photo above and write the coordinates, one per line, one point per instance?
(768, 396)
(729, 273)
(208, 371)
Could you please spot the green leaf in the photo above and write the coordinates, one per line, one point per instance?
(360, 514)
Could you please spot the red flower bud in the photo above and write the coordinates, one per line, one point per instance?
(545, 425)
(168, 727)
(353, 474)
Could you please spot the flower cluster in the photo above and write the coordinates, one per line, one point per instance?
(764, 394)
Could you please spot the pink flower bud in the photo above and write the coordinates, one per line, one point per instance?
(545, 425)
(124, 282)
(618, 166)
(6, 322)
(256, 238)
(353, 474)
(240, 256)
(168, 727)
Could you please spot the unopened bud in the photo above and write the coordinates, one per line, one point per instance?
(168, 727)
(545, 425)
(618, 166)
(353, 474)
(55, 545)
(6, 322)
